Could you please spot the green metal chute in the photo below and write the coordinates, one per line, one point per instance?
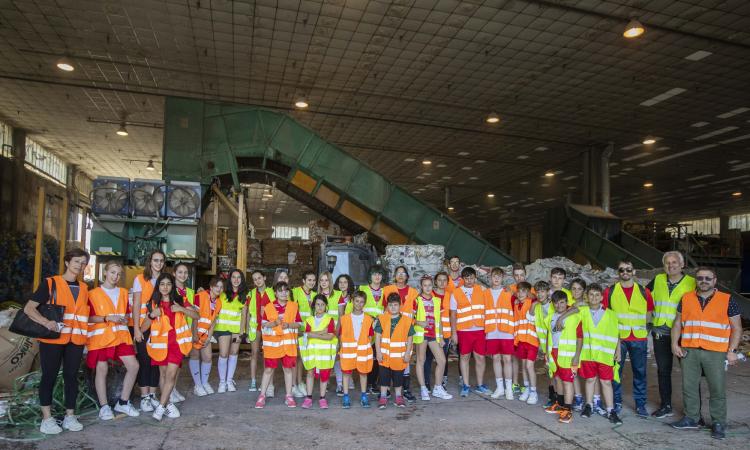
(205, 140)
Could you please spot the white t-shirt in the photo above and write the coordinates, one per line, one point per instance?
(555, 334)
(113, 294)
(357, 324)
(497, 334)
(317, 321)
(454, 304)
(137, 284)
(597, 315)
(545, 308)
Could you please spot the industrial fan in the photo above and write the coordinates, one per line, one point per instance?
(184, 200)
(110, 196)
(147, 198)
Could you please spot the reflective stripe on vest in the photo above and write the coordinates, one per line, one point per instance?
(356, 353)
(709, 328)
(407, 303)
(498, 312)
(372, 307)
(158, 340)
(665, 303)
(599, 340)
(318, 353)
(299, 296)
(107, 334)
(422, 317)
(146, 290)
(333, 305)
(230, 315)
(252, 311)
(76, 315)
(566, 348)
(525, 330)
(631, 315)
(393, 347)
(206, 315)
(278, 342)
(469, 312)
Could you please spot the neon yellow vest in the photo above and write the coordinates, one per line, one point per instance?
(333, 304)
(318, 353)
(631, 315)
(252, 311)
(599, 341)
(371, 307)
(542, 323)
(566, 348)
(665, 304)
(230, 316)
(298, 295)
(421, 316)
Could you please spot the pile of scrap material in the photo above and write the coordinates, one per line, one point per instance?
(419, 260)
(319, 229)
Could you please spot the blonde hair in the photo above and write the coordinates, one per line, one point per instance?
(112, 263)
(328, 275)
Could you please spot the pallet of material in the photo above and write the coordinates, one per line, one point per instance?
(275, 251)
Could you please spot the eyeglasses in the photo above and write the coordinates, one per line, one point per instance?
(283, 290)
(625, 269)
(704, 278)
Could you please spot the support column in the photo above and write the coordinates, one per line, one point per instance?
(19, 156)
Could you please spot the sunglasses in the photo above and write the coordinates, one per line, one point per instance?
(283, 290)
(704, 278)
(625, 270)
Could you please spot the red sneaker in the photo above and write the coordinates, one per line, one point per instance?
(290, 403)
(261, 403)
(382, 403)
(400, 402)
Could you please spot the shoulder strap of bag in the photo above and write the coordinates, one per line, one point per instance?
(53, 294)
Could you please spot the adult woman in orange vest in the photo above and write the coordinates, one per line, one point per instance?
(181, 273)
(67, 350)
(170, 338)
(230, 328)
(356, 333)
(393, 346)
(280, 323)
(109, 339)
(209, 306)
(143, 288)
(428, 336)
(440, 291)
(408, 295)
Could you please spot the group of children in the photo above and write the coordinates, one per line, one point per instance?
(374, 330)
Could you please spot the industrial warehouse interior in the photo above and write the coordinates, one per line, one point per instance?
(555, 192)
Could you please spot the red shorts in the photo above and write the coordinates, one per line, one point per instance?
(498, 347)
(592, 369)
(562, 373)
(471, 341)
(108, 354)
(174, 356)
(526, 351)
(287, 362)
(322, 374)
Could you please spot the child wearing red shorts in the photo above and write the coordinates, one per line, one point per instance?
(467, 304)
(499, 326)
(563, 355)
(526, 341)
(280, 324)
(601, 349)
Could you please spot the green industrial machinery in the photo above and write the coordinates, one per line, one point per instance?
(239, 144)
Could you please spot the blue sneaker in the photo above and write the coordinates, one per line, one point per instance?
(641, 411)
(482, 389)
(464, 391)
(618, 408)
(346, 402)
(364, 401)
(598, 408)
(578, 403)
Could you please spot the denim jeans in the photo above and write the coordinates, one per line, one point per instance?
(637, 351)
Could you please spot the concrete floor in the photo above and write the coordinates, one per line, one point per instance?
(230, 421)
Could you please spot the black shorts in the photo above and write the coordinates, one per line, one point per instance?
(223, 333)
(388, 375)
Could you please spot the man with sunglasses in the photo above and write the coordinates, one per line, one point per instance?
(705, 336)
(667, 289)
(634, 305)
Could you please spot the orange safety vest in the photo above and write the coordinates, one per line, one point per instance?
(525, 325)
(707, 328)
(158, 340)
(407, 304)
(450, 287)
(393, 347)
(356, 352)
(445, 315)
(278, 342)
(469, 313)
(107, 334)
(514, 290)
(76, 315)
(146, 290)
(498, 312)
(203, 324)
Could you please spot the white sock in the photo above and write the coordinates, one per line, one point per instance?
(232, 367)
(205, 372)
(509, 383)
(195, 371)
(533, 389)
(526, 384)
(499, 382)
(222, 370)
(597, 399)
(337, 371)
(406, 371)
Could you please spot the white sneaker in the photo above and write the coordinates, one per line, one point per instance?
(199, 391)
(207, 387)
(253, 386)
(172, 411)
(174, 397)
(231, 386)
(50, 426)
(509, 391)
(424, 394)
(499, 392)
(440, 392)
(177, 393)
(128, 409)
(146, 405)
(302, 389)
(158, 413)
(222, 387)
(154, 401)
(105, 413)
(71, 423)
(296, 392)
(213, 340)
(533, 398)
(524, 395)
(270, 391)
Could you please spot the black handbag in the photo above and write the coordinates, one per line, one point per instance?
(23, 325)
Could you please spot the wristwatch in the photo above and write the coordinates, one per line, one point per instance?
(734, 350)
(151, 317)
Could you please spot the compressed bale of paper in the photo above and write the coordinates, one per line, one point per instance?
(419, 260)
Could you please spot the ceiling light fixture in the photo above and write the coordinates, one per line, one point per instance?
(650, 209)
(65, 64)
(736, 194)
(122, 131)
(450, 208)
(648, 184)
(261, 217)
(490, 195)
(492, 118)
(648, 140)
(301, 103)
(549, 174)
(633, 29)
(150, 165)
(426, 162)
